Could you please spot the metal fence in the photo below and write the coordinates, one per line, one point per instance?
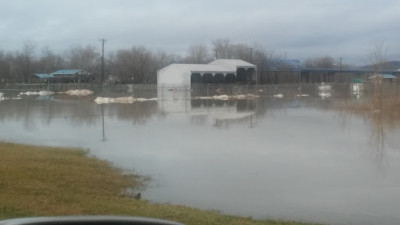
(152, 91)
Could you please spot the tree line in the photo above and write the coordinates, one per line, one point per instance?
(137, 64)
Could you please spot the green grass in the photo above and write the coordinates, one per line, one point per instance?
(46, 181)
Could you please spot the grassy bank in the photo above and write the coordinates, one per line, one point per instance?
(42, 181)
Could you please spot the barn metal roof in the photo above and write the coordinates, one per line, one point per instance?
(43, 75)
(388, 76)
(200, 68)
(220, 65)
(66, 72)
(232, 63)
(58, 72)
(383, 76)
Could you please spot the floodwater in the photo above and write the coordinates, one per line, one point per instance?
(305, 156)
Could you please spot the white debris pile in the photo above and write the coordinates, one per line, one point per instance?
(248, 96)
(279, 95)
(105, 100)
(325, 95)
(42, 93)
(324, 87)
(81, 92)
(2, 98)
(303, 95)
(215, 97)
(15, 98)
(325, 90)
(228, 97)
(145, 99)
(122, 100)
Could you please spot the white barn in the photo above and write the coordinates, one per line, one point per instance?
(219, 71)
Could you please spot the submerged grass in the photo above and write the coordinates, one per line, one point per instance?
(47, 181)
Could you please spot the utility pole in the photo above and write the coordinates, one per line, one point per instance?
(340, 67)
(102, 59)
(251, 55)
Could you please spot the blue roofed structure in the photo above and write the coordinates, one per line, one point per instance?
(388, 76)
(67, 71)
(383, 76)
(70, 75)
(43, 75)
(282, 64)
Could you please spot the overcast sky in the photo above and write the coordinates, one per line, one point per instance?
(295, 29)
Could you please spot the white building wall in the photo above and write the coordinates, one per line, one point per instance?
(179, 75)
(173, 76)
(174, 101)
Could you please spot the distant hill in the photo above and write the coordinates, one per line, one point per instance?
(390, 65)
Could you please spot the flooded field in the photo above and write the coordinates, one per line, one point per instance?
(311, 153)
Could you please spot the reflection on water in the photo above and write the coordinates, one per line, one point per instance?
(382, 111)
(300, 157)
(102, 124)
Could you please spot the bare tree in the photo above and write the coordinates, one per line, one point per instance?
(143, 59)
(50, 62)
(28, 51)
(123, 66)
(224, 50)
(379, 57)
(5, 67)
(135, 65)
(221, 49)
(241, 51)
(261, 57)
(320, 62)
(87, 58)
(160, 60)
(198, 54)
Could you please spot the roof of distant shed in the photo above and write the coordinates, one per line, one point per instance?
(388, 76)
(66, 72)
(220, 65)
(232, 63)
(383, 76)
(200, 68)
(43, 75)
